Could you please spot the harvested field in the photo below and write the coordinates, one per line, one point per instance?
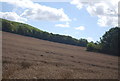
(31, 58)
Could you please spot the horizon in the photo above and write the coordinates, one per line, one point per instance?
(87, 20)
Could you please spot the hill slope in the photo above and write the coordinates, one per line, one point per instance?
(27, 30)
(28, 58)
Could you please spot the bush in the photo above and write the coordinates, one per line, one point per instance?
(90, 46)
(94, 47)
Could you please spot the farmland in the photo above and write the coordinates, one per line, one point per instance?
(28, 58)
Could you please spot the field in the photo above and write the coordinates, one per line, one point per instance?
(30, 58)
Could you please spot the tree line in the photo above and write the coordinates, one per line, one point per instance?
(108, 43)
(27, 30)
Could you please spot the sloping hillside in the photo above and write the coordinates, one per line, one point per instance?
(30, 31)
(28, 58)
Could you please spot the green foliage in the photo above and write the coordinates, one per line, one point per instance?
(91, 46)
(108, 43)
(27, 30)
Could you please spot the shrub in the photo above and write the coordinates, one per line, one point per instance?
(94, 47)
(90, 46)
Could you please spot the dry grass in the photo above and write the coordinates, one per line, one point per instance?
(28, 58)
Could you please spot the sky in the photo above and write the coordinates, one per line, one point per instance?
(88, 19)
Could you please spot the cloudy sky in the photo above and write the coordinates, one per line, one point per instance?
(88, 19)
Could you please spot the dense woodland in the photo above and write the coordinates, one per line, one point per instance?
(108, 42)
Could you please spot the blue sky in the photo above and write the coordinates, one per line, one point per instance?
(76, 20)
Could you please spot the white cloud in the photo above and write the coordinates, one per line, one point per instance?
(107, 21)
(12, 16)
(63, 25)
(105, 10)
(39, 12)
(78, 3)
(49, 14)
(90, 39)
(80, 28)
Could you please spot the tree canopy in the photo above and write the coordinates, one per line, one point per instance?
(108, 43)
